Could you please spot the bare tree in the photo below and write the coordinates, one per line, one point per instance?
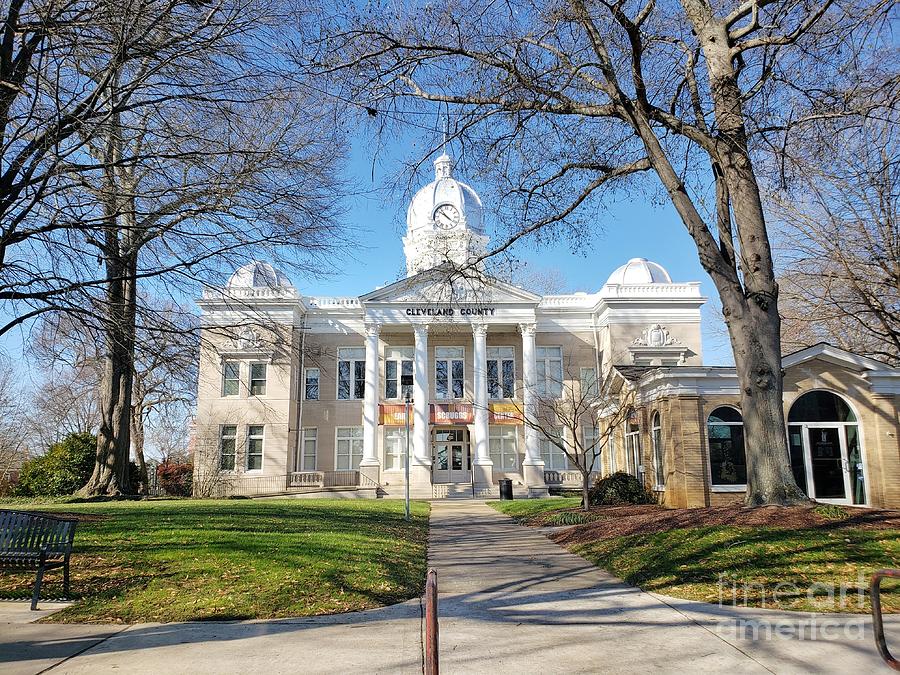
(580, 418)
(165, 381)
(193, 151)
(566, 102)
(839, 243)
(14, 438)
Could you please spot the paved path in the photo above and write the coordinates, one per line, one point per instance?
(511, 602)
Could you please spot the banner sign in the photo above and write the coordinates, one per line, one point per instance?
(393, 415)
(452, 413)
(504, 413)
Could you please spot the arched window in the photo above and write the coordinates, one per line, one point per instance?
(826, 456)
(658, 454)
(727, 462)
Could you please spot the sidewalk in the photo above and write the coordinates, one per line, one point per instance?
(511, 601)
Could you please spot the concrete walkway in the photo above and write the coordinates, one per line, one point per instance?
(511, 601)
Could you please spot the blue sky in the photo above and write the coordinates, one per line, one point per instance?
(629, 229)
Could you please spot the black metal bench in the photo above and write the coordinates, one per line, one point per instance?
(36, 541)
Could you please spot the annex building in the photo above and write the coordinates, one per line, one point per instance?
(309, 394)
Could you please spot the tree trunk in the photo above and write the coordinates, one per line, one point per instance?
(586, 491)
(110, 476)
(137, 442)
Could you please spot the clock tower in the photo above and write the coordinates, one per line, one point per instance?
(443, 222)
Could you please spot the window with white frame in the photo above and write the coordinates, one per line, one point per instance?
(309, 443)
(398, 362)
(553, 456)
(590, 440)
(311, 384)
(589, 382)
(548, 367)
(257, 379)
(351, 373)
(611, 454)
(231, 378)
(503, 445)
(633, 450)
(658, 453)
(349, 448)
(255, 435)
(227, 447)
(449, 372)
(394, 448)
(501, 372)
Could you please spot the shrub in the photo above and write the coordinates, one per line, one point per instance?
(176, 478)
(63, 469)
(567, 518)
(620, 488)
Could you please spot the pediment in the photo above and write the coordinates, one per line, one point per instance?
(833, 355)
(436, 287)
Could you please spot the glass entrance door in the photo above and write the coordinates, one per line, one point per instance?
(451, 461)
(827, 463)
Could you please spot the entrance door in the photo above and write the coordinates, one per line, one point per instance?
(450, 458)
(827, 465)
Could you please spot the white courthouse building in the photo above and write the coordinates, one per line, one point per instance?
(306, 394)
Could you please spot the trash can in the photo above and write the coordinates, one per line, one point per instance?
(506, 488)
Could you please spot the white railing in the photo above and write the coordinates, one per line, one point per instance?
(324, 301)
(565, 478)
(305, 479)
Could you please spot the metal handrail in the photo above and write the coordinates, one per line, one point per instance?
(877, 620)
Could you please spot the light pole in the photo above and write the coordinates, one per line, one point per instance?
(406, 384)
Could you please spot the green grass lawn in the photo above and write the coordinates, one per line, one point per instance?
(234, 559)
(750, 562)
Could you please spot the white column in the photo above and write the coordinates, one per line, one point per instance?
(533, 465)
(482, 451)
(421, 436)
(370, 400)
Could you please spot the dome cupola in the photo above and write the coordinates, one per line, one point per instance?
(258, 274)
(639, 272)
(444, 222)
(445, 203)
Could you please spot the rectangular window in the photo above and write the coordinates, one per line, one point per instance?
(257, 379)
(633, 451)
(449, 372)
(501, 372)
(231, 378)
(349, 448)
(227, 447)
(548, 367)
(553, 456)
(255, 447)
(351, 373)
(590, 439)
(589, 382)
(309, 443)
(503, 447)
(398, 362)
(394, 448)
(311, 384)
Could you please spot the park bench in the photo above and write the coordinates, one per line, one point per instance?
(36, 541)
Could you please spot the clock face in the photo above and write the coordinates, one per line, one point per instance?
(446, 216)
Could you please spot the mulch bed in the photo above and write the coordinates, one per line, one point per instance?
(620, 521)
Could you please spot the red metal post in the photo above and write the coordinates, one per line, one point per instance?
(431, 624)
(877, 623)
